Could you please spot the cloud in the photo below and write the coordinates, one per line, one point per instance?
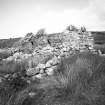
(46, 4)
(65, 4)
(98, 8)
(18, 17)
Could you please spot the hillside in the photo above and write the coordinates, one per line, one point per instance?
(7, 43)
(99, 37)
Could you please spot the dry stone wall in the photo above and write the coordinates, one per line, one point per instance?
(43, 54)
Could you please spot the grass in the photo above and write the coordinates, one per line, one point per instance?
(79, 80)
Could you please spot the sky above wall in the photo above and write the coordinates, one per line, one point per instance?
(18, 17)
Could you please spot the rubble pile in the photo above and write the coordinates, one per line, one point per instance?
(42, 53)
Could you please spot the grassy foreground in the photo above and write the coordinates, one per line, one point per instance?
(79, 80)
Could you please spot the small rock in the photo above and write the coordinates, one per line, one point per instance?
(50, 71)
(14, 75)
(48, 64)
(51, 62)
(32, 71)
(42, 66)
(41, 71)
(7, 75)
(39, 76)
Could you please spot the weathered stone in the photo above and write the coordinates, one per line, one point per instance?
(41, 66)
(32, 71)
(39, 76)
(49, 71)
(41, 71)
(52, 62)
(32, 94)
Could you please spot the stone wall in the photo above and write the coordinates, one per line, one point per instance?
(46, 49)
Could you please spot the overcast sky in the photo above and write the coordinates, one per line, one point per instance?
(18, 17)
